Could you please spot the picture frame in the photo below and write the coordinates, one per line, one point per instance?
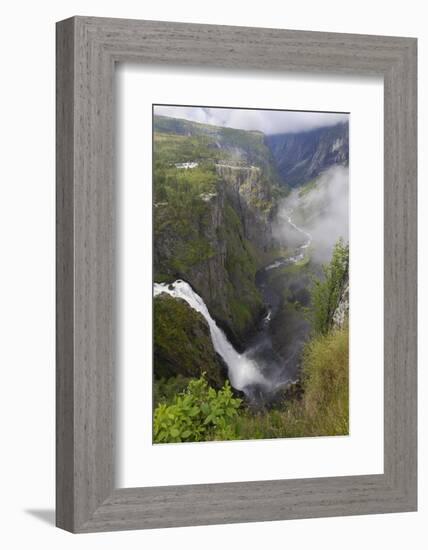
(87, 50)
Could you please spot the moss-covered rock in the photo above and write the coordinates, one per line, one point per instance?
(243, 298)
(182, 342)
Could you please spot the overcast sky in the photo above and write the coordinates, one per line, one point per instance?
(269, 122)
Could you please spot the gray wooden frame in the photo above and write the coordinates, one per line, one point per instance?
(87, 50)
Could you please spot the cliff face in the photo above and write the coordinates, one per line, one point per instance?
(217, 249)
(302, 156)
(251, 197)
(205, 142)
(215, 195)
(341, 313)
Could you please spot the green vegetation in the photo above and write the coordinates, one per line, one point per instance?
(193, 140)
(186, 237)
(191, 410)
(165, 389)
(200, 413)
(323, 408)
(171, 149)
(241, 265)
(182, 342)
(326, 293)
(325, 379)
(212, 229)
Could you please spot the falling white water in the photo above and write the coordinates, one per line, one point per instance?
(242, 371)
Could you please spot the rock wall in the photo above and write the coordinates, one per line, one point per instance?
(340, 316)
(228, 230)
(251, 197)
(302, 156)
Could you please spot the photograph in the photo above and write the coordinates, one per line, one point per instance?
(250, 274)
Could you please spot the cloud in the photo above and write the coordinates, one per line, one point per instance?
(268, 122)
(323, 213)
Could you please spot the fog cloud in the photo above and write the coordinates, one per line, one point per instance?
(268, 122)
(323, 212)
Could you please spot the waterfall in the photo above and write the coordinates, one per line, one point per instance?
(242, 371)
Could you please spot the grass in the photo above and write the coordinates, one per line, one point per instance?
(324, 407)
(326, 384)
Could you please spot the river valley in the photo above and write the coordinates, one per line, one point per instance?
(250, 274)
(260, 371)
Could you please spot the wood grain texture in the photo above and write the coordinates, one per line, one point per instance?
(64, 276)
(87, 49)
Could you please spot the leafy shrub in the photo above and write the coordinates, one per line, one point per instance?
(200, 413)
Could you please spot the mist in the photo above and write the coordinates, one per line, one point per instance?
(323, 212)
(268, 122)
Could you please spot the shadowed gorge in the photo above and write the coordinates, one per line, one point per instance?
(245, 227)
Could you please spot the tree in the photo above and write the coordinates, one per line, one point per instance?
(326, 293)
